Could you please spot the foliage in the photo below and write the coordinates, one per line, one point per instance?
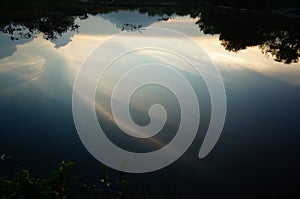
(277, 34)
(24, 185)
(61, 185)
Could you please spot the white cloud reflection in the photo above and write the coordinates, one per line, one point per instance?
(250, 59)
(39, 58)
(39, 65)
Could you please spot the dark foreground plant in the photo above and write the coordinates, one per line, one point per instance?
(61, 184)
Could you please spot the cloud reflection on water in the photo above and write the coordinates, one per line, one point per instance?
(31, 58)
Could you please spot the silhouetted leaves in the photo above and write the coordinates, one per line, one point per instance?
(62, 185)
(276, 33)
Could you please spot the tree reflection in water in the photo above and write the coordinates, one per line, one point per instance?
(276, 34)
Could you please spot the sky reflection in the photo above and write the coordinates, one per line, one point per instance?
(37, 77)
(71, 49)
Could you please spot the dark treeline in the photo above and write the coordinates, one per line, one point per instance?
(276, 33)
(252, 4)
(256, 4)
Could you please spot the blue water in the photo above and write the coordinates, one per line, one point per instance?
(258, 151)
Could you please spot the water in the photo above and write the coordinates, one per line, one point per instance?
(257, 153)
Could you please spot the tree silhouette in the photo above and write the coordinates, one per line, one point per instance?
(276, 34)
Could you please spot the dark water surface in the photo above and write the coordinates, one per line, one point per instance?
(258, 153)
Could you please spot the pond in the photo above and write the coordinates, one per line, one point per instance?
(256, 53)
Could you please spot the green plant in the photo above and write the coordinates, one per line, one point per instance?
(24, 185)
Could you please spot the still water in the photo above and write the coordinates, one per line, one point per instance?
(257, 154)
